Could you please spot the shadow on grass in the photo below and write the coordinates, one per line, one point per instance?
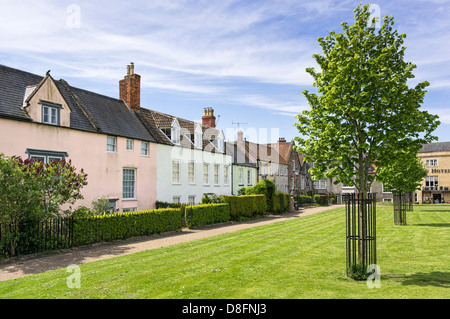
(436, 279)
(435, 211)
(433, 225)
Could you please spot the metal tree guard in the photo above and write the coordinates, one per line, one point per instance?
(400, 207)
(410, 206)
(361, 234)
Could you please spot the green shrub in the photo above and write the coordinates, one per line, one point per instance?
(321, 199)
(246, 206)
(206, 214)
(280, 203)
(303, 199)
(109, 227)
(266, 187)
(214, 199)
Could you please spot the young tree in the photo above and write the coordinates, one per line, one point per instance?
(366, 110)
(401, 177)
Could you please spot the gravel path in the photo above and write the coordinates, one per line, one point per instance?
(33, 264)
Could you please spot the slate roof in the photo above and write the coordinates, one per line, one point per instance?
(155, 120)
(90, 111)
(435, 147)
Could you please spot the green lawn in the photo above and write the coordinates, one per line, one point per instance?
(300, 258)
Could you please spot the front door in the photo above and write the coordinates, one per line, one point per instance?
(436, 198)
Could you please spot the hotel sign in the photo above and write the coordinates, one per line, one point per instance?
(440, 171)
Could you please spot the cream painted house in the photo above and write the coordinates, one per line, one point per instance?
(191, 157)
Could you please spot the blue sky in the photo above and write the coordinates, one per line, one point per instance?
(245, 59)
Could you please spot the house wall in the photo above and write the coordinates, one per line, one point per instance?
(88, 151)
(442, 171)
(245, 169)
(167, 189)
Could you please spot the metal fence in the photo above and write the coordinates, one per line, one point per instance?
(361, 233)
(28, 237)
(401, 205)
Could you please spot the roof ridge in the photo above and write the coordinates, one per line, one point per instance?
(80, 104)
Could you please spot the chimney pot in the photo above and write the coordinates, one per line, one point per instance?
(208, 117)
(130, 89)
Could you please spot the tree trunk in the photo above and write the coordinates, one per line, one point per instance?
(362, 211)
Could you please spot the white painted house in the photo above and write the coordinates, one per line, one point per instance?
(191, 157)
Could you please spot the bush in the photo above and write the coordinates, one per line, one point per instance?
(303, 199)
(280, 203)
(321, 199)
(214, 199)
(246, 206)
(265, 187)
(109, 227)
(206, 214)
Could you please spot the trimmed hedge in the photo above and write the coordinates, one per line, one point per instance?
(206, 214)
(321, 199)
(280, 203)
(303, 199)
(246, 206)
(88, 230)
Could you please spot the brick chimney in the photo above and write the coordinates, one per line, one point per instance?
(281, 140)
(240, 136)
(130, 89)
(208, 117)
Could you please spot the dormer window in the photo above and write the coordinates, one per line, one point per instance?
(173, 133)
(50, 113)
(198, 141)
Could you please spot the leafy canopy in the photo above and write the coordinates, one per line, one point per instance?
(364, 110)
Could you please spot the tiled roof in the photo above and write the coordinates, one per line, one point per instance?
(155, 120)
(89, 111)
(240, 155)
(435, 147)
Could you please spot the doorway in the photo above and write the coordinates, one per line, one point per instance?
(436, 198)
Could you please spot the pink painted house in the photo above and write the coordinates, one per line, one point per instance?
(45, 119)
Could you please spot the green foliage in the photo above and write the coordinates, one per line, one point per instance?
(303, 199)
(280, 203)
(364, 104)
(321, 199)
(266, 187)
(206, 214)
(109, 227)
(101, 206)
(404, 174)
(32, 191)
(214, 199)
(246, 206)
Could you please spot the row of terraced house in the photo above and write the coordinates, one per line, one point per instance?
(135, 156)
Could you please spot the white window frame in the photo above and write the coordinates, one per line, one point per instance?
(145, 148)
(241, 176)
(109, 144)
(130, 191)
(226, 180)
(205, 174)
(175, 171)
(249, 177)
(191, 172)
(432, 162)
(432, 180)
(320, 184)
(176, 199)
(191, 200)
(130, 143)
(216, 174)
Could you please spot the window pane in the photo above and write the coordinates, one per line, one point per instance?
(111, 144)
(129, 144)
(175, 172)
(216, 174)
(205, 173)
(144, 148)
(129, 182)
(191, 176)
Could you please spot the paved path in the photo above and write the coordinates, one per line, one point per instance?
(33, 264)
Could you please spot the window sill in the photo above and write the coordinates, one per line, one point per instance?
(129, 199)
